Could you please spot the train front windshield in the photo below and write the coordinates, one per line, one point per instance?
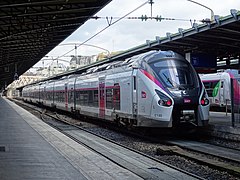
(175, 74)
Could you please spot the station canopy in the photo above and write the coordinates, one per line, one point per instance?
(219, 38)
(29, 29)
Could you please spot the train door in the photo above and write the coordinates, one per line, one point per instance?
(215, 86)
(74, 94)
(221, 93)
(52, 94)
(134, 93)
(102, 104)
(66, 96)
(39, 94)
(44, 95)
(116, 96)
(224, 90)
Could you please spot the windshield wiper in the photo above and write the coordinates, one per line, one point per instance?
(168, 80)
(179, 86)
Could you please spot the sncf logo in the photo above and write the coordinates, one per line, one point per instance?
(187, 100)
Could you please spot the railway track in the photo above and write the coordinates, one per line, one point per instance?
(139, 163)
(202, 153)
(214, 156)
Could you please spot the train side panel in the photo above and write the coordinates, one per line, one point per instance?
(105, 95)
(119, 95)
(25, 93)
(35, 93)
(49, 90)
(86, 94)
(218, 87)
(150, 113)
(71, 94)
(42, 93)
(60, 95)
(154, 89)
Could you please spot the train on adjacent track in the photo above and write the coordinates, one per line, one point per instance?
(153, 89)
(222, 87)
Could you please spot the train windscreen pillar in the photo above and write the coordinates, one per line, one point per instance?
(188, 57)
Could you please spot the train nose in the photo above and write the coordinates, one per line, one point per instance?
(187, 115)
(185, 109)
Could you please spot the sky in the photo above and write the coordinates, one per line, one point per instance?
(129, 33)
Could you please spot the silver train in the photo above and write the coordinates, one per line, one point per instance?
(154, 89)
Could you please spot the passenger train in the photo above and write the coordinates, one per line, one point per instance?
(219, 87)
(153, 89)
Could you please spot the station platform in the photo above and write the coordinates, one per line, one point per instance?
(30, 149)
(220, 125)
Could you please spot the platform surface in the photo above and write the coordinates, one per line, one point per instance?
(30, 149)
(222, 121)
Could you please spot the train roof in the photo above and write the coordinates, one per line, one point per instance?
(229, 72)
(133, 61)
(152, 56)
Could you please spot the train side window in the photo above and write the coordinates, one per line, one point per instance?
(95, 98)
(57, 98)
(81, 97)
(51, 95)
(206, 84)
(90, 98)
(70, 96)
(210, 87)
(109, 98)
(84, 97)
(116, 96)
(62, 98)
(77, 97)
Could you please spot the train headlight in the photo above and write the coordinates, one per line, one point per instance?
(164, 100)
(204, 100)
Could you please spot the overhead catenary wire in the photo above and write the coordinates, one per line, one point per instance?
(145, 18)
(110, 23)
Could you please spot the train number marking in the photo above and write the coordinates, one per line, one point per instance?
(158, 115)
